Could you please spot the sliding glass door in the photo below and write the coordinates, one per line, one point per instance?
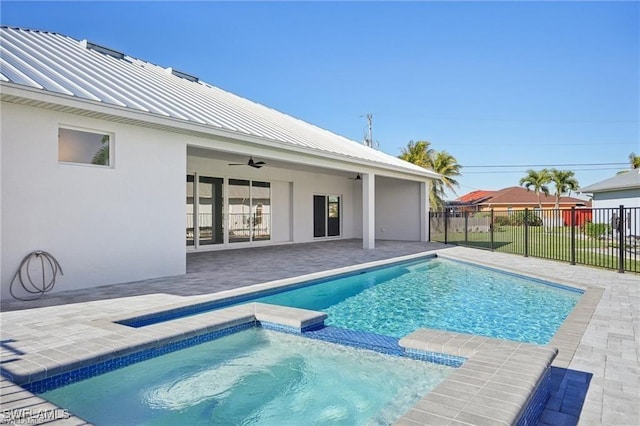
(261, 211)
(249, 210)
(239, 211)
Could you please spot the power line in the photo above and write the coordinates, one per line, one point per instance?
(540, 144)
(524, 171)
(545, 165)
(516, 120)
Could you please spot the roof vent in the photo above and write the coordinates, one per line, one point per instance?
(114, 53)
(183, 75)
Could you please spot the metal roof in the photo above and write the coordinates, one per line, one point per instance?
(627, 180)
(82, 70)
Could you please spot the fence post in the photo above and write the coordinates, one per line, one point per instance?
(573, 235)
(466, 225)
(445, 225)
(621, 239)
(526, 232)
(491, 228)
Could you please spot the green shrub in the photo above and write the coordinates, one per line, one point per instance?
(596, 229)
(502, 220)
(518, 219)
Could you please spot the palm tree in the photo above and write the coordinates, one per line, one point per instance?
(421, 154)
(446, 166)
(538, 180)
(564, 181)
(418, 153)
(634, 160)
(101, 157)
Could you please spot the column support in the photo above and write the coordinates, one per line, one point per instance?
(368, 211)
(424, 211)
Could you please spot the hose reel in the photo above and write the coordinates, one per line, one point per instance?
(49, 268)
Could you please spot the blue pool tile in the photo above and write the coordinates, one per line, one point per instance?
(358, 339)
(534, 411)
(82, 373)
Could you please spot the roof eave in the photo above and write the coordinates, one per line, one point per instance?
(611, 189)
(16, 93)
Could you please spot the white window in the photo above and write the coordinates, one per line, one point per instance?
(85, 147)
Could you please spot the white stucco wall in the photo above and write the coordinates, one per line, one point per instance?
(613, 200)
(305, 186)
(627, 198)
(104, 225)
(281, 209)
(397, 209)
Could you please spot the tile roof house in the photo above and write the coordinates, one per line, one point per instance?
(119, 167)
(513, 197)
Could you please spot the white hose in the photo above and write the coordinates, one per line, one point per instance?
(23, 275)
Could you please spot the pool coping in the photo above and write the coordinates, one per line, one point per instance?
(122, 339)
(495, 385)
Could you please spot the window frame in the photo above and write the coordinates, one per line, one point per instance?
(93, 131)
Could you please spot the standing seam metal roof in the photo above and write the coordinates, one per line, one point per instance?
(63, 65)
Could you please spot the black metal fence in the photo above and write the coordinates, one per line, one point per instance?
(600, 237)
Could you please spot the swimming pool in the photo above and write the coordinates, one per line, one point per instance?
(255, 377)
(249, 316)
(428, 293)
(439, 294)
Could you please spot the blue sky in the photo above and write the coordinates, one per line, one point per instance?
(526, 84)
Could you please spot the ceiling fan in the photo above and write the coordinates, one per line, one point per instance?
(256, 164)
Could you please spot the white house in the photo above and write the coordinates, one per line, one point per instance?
(620, 190)
(119, 167)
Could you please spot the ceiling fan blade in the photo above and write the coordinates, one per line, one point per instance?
(256, 164)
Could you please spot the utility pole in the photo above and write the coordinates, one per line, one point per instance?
(368, 139)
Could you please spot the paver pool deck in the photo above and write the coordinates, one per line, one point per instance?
(599, 344)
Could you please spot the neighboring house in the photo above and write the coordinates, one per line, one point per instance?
(512, 198)
(119, 168)
(619, 190)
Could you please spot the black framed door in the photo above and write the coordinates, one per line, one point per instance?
(326, 216)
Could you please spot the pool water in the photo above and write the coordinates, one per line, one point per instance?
(255, 377)
(440, 294)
